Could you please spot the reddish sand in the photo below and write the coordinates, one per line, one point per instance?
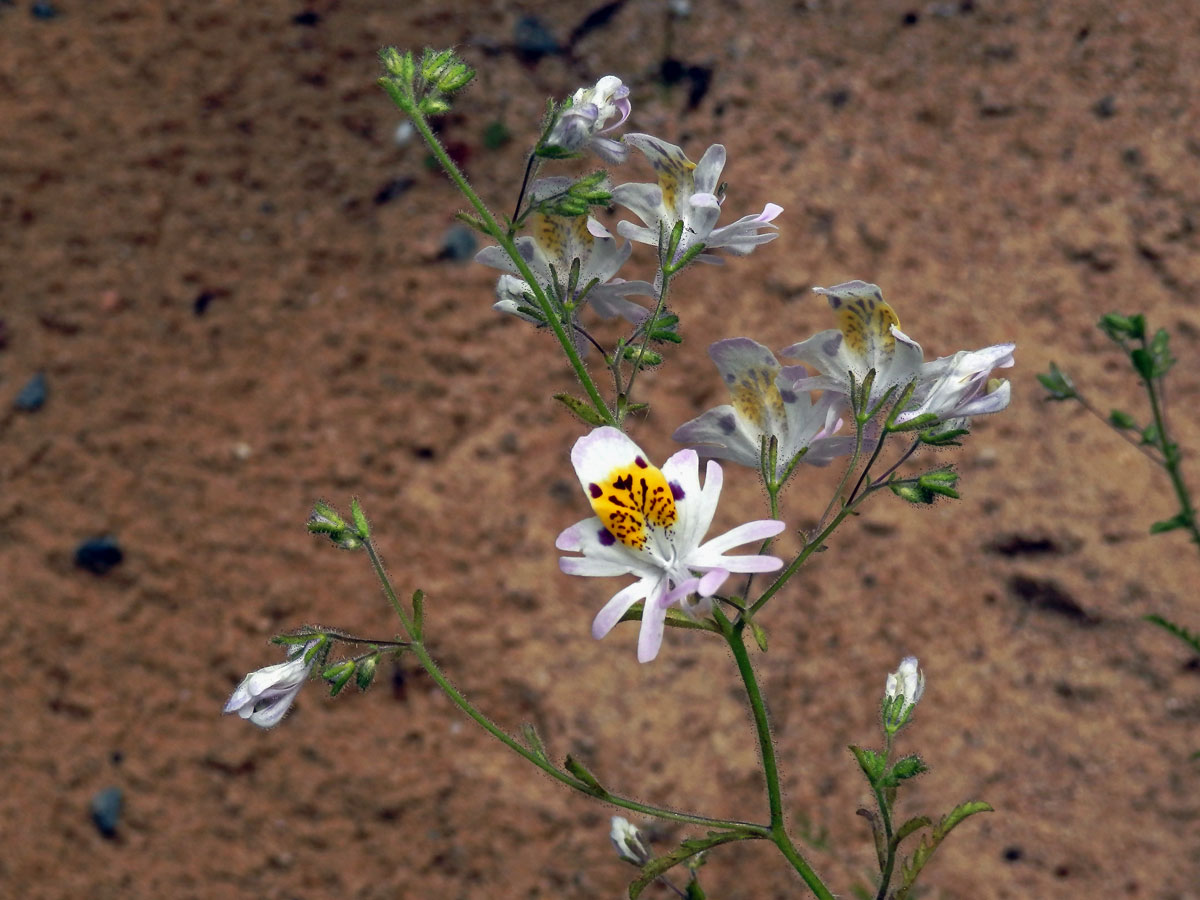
(194, 250)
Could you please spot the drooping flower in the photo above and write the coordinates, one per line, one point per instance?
(265, 695)
(956, 388)
(649, 523)
(627, 840)
(901, 692)
(687, 192)
(868, 337)
(551, 250)
(763, 404)
(586, 117)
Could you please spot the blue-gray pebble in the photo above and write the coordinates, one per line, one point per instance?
(106, 810)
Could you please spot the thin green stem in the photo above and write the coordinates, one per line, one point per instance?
(456, 697)
(766, 746)
(501, 236)
(667, 272)
(885, 813)
(1171, 462)
(810, 548)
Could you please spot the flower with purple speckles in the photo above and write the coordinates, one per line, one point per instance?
(954, 388)
(763, 404)
(688, 192)
(649, 523)
(585, 120)
(868, 337)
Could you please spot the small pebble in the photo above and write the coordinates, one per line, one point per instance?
(458, 244)
(533, 39)
(106, 810)
(32, 397)
(309, 18)
(43, 10)
(98, 555)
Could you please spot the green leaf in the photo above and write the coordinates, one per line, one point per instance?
(695, 892)
(760, 635)
(643, 358)
(1121, 420)
(1143, 363)
(1179, 520)
(534, 740)
(689, 848)
(908, 767)
(1192, 639)
(873, 764)
(1121, 328)
(576, 768)
(912, 825)
(911, 867)
(581, 408)
(1057, 384)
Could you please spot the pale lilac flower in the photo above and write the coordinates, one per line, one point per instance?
(585, 119)
(763, 404)
(868, 337)
(628, 841)
(265, 695)
(650, 523)
(551, 249)
(955, 388)
(687, 192)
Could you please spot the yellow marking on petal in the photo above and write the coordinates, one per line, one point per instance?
(548, 234)
(866, 321)
(632, 499)
(756, 397)
(584, 239)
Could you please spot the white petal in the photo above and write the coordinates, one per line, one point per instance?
(736, 537)
(708, 171)
(654, 616)
(620, 603)
(595, 455)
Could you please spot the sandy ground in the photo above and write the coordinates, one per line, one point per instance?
(228, 272)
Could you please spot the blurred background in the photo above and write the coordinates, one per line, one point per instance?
(229, 285)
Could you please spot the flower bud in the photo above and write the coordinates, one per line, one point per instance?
(903, 689)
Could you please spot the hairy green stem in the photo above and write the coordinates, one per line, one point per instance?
(766, 745)
(456, 697)
(507, 244)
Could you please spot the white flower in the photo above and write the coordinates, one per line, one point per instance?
(264, 696)
(628, 841)
(901, 692)
(955, 388)
(687, 192)
(868, 337)
(555, 243)
(650, 523)
(586, 118)
(764, 404)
